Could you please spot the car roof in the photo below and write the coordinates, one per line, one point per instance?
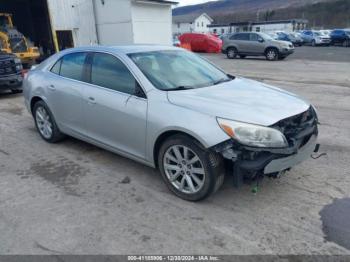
(125, 49)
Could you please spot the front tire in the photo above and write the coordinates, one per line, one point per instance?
(46, 124)
(346, 43)
(189, 170)
(231, 53)
(313, 43)
(272, 54)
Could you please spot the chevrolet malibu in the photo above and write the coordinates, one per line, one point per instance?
(172, 110)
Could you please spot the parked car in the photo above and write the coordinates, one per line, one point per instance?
(256, 44)
(294, 38)
(171, 109)
(202, 42)
(341, 37)
(315, 38)
(326, 32)
(10, 73)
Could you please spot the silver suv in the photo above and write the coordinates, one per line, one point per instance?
(256, 44)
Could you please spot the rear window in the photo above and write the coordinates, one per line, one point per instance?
(244, 37)
(72, 66)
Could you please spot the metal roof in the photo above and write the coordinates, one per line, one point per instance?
(190, 18)
(248, 23)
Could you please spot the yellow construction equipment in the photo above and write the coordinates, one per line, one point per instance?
(12, 41)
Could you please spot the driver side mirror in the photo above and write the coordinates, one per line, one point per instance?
(260, 40)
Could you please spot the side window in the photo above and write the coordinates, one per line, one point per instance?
(243, 37)
(57, 67)
(109, 72)
(72, 66)
(254, 37)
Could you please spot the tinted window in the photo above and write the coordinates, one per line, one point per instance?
(72, 66)
(255, 37)
(108, 71)
(56, 68)
(240, 37)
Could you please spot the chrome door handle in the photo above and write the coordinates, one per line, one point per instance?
(52, 87)
(91, 100)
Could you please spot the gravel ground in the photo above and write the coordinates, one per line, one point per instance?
(74, 198)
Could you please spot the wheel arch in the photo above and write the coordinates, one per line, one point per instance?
(169, 133)
(270, 47)
(231, 46)
(33, 101)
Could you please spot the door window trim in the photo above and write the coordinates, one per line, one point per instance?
(86, 66)
(60, 61)
(89, 71)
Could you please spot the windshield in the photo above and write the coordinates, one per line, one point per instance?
(18, 45)
(266, 36)
(177, 69)
(317, 33)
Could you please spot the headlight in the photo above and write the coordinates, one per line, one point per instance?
(18, 61)
(253, 135)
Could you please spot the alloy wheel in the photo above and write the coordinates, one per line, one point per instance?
(271, 55)
(184, 169)
(231, 53)
(43, 122)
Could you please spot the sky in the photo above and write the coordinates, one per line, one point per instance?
(191, 2)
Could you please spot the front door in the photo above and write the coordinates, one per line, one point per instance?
(256, 44)
(114, 116)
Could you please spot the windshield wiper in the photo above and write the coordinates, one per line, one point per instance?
(179, 88)
(222, 80)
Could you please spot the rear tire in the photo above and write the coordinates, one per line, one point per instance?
(231, 53)
(46, 124)
(189, 170)
(272, 54)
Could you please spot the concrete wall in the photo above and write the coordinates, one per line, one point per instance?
(74, 15)
(268, 28)
(151, 23)
(180, 28)
(220, 30)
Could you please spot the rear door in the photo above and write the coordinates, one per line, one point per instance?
(64, 91)
(115, 107)
(256, 44)
(241, 41)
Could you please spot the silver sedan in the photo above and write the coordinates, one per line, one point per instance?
(171, 109)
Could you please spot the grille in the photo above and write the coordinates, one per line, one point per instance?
(299, 128)
(7, 67)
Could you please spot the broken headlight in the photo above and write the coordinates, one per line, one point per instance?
(253, 135)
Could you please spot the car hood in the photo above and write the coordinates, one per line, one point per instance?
(241, 100)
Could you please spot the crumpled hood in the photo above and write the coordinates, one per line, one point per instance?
(241, 100)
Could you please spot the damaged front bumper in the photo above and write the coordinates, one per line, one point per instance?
(253, 162)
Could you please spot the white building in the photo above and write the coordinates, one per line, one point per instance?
(265, 27)
(133, 21)
(191, 23)
(54, 25)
